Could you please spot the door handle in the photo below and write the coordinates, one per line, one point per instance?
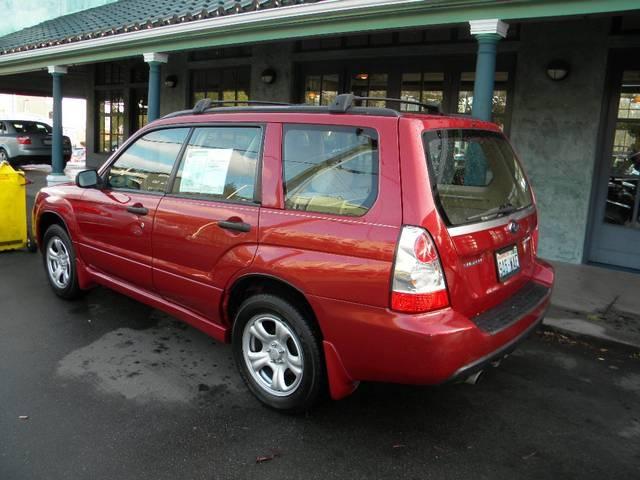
(238, 226)
(138, 209)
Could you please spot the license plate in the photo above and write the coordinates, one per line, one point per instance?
(507, 262)
(46, 142)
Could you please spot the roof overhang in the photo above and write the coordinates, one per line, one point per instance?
(329, 17)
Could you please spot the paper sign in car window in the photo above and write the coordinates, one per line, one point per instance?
(205, 170)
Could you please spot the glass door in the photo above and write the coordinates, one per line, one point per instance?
(622, 191)
(616, 234)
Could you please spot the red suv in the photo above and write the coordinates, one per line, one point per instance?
(328, 245)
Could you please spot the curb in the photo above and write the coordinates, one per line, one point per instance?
(553, 325)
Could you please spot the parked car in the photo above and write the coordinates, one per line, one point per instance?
(28, 142)
(328, 245)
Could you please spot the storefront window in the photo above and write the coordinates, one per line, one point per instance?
(110, 120)
(422, 87)
(140, 109)
(321, 89)
(231, 84)
(110, 74)
(465, 96)
(364, 84)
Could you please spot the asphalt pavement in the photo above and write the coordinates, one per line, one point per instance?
(105, 388)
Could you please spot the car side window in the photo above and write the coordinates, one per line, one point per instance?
(2, 128)
(220, 163)
(147, 163)
(330, 169)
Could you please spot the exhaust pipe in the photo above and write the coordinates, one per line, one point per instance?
(474, 378)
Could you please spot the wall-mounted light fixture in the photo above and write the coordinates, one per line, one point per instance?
(558, 70)
(268, 76)
(362, 76)
(171, 81)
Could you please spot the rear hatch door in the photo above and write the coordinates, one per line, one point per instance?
(484, 200)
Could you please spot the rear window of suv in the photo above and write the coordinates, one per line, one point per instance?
(475, 175)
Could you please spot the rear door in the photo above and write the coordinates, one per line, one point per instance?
(206, 227)
(331, 226)
(483, 215)
(116, 221)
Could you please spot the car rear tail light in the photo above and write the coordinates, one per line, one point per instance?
(418, 279)
(24, 140)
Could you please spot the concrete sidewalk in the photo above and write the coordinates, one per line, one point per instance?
(596, 302)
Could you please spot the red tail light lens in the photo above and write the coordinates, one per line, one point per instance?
(418, 279)
(24, 140)
(418, 303)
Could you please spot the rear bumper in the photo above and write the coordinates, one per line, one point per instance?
(506, 349)
(34, 157)
(376, 344)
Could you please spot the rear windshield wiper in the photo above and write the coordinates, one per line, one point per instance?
(505, 209)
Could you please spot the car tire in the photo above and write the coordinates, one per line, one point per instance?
(4, 156)
(59, 259)
(278, 353)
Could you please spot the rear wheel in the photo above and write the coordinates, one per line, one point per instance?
(278, 353)
(4, 156)
(60, 263)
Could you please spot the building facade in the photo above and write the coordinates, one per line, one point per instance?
(564, 85)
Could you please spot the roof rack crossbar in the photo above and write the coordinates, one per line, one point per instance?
(344, 102)
(248, 102)
(205, 105)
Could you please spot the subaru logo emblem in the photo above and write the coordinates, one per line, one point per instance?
(513, 227)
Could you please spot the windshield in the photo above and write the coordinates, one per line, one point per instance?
(31, 127)
(475, 175)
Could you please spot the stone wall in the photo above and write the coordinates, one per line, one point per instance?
(276, 56)
(554, 126)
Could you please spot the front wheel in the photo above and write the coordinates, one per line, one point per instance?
(277, 352)
(60, 263)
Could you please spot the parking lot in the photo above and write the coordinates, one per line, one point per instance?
(107, 388)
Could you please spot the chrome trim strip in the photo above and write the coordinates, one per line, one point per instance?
(498, 222)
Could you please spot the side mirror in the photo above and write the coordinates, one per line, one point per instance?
(88, 179)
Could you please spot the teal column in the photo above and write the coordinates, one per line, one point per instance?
(485, 76)
(57, 158)
(155, 60)
(153, 111)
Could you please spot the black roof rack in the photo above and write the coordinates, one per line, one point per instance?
(207, 104)
(343, 103)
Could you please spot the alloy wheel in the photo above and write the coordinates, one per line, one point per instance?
(273, 354)
(58, 262)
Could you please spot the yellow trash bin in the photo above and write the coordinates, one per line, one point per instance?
(13, 208)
